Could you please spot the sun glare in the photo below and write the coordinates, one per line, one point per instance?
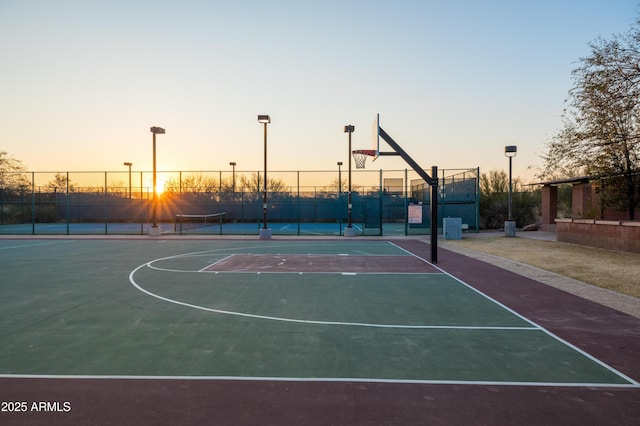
(160, 185)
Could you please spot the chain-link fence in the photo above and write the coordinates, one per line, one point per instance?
(231, 202)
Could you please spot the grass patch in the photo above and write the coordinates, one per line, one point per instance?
(614, 270)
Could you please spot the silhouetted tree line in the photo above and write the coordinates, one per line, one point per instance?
(494, 201)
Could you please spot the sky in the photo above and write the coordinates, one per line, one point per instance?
(82, 82)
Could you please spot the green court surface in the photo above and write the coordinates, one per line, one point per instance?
(267, 310)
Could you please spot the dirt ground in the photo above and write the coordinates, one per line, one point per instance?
(613, 270)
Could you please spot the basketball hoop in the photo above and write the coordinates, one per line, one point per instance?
(360, 156)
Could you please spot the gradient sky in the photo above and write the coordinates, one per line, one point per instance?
(82, 82)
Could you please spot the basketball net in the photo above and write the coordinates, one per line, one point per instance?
(360, 157)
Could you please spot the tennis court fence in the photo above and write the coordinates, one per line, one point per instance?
(123, 202)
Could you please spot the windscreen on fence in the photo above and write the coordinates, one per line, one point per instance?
(298, 203)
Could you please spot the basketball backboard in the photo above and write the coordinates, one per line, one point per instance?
(375, 136)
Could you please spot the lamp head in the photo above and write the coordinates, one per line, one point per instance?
(128, 164)
(264, 118)
(349, 128)
(339, 163)
(233, 163)
(157, 130)
(510, 150)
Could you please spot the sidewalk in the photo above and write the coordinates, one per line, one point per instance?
(621, 302)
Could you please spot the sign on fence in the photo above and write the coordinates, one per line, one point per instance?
(415, 213)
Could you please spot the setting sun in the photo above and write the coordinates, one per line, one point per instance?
(161, 181)
(160, 185)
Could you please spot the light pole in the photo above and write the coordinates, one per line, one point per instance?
(233, 177)
(510, 151)
(128, 164)
(339, 196)
(155, 230)
(349, 231)
(265, 233)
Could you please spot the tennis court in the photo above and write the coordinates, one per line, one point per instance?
(212, 228)
(307, 331)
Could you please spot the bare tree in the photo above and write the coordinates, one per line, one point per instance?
(12, 173)
(254, 183)
(601, 126)
(60, 183)
(197, 183)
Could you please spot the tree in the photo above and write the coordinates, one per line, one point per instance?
(196, 184)
(601, 127)
(60, 183)
(254, 183)
(12, 171)
(494, 200)
(496, 182)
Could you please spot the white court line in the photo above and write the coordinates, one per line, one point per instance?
(302, 321)
(33, 245)
(535, 327)
(216, 262)
(316, 379)
(539, 327)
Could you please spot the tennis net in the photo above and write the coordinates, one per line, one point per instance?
(185, 222)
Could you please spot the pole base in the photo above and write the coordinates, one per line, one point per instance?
(155, 231)
(510, 228)
(349, 232)
(265, 233)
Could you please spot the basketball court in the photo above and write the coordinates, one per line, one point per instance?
(319, 330)
(300, 331)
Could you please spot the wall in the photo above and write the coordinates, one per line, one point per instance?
(549, 208)
(607, 234)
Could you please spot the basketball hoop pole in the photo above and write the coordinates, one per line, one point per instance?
(434, 214)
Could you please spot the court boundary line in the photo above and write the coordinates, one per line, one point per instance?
(239, 271)
(632, 383)
(212, 264)
(535, 327)
(538, 326)
(301, 321)
(204, 269)
(27, 246)
(315, 322)
(319, 380)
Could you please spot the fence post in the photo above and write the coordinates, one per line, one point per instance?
(140, 204)
(105, 203)
(477, 199)
(67, 203)
(298, 198)
(406, 202)
(33, 203)
(219, 199)
(434, 215)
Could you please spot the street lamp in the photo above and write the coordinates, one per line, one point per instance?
(510, 151)
(129, 165)
(265, 233)
(155, 230)
(339, 177)
(233, 176)
(349, 231)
